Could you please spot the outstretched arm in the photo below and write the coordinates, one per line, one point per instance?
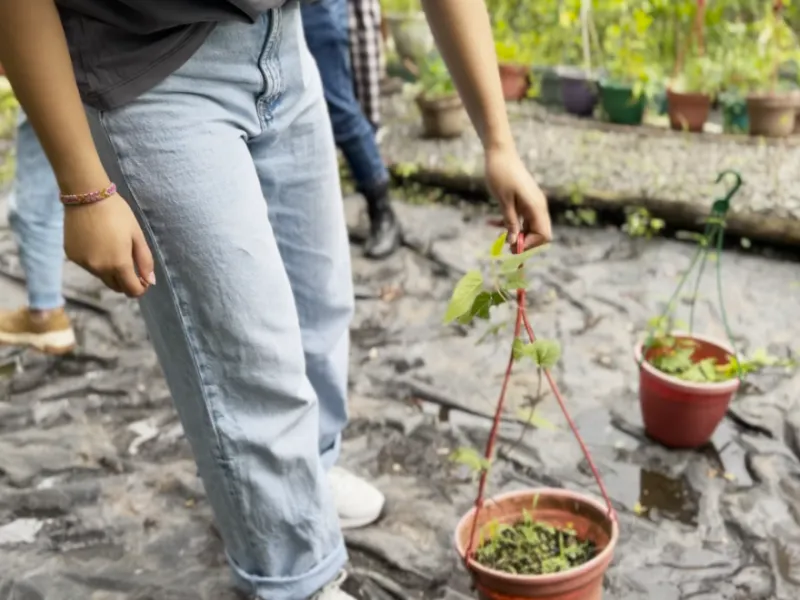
(463, 35)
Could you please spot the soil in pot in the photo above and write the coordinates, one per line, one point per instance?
(688, 111)
(530, 547)
(771, 115)
(579, 94)
(686, 383)
(620, 105)
(443, 117)
(591, 530)
(515, 80)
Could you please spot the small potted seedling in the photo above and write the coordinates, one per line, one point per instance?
(443, 114)
(770, 44)
(515, 71)
(686, 380)
(632, 74)
(690, 93)
(536, 543)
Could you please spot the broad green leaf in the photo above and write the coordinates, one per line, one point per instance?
(518, 349)
(515, 281)
(481, 306)
(499, 244)
(464, 295)
(513, 262)
(545, 353)
(533, 417)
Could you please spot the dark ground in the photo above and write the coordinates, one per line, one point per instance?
(98, 494)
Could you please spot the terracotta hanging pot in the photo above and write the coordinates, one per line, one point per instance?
(678, 413)
(558, 507)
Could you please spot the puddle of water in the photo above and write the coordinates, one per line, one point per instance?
(666, 497)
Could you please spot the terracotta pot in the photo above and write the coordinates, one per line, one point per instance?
(771, 115)
(442, 117)
(683, 414)
(559, 507)
(515, 80)
(688, 112)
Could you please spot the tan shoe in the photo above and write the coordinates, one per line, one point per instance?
(50, 332)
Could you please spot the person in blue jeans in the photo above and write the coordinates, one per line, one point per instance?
(194, 155)
(326, 26)
(36, 218)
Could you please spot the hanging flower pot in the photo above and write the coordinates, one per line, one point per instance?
(515, 80)
(680, 412)
(688, 111)
(771, 114)
(578, 92)
(591, 539)
(620, 104)
(443, 117)
(550, 544)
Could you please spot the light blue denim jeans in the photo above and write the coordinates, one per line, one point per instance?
(36, 217)
(230, 166)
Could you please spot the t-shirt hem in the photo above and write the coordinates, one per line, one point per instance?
(125, 92)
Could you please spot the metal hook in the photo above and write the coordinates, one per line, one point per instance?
(721, 205)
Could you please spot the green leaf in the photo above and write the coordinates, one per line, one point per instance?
(499, 244)
(469, 457)
(515, 261)
(545, 353)
(533, 417)
(464, 295)
(481, 306)
(515, 281)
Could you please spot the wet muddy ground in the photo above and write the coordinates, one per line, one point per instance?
(99, 498)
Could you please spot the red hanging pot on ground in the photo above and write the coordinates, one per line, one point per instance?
(684, 414)
(562, 508)
(515, 80)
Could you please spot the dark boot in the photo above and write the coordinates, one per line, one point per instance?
(384, 229)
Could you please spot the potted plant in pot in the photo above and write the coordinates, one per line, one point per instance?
(413, 40)
(537, 543)
(771, 106)
(514, 62)
(689, 95)
(632, 77)
(579, 91)
(443, 114)
(686, 380)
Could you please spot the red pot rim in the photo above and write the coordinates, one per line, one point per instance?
(551, 578)
(731, 385)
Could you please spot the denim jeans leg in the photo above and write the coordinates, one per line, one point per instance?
(326, 29)
(37, 219)
(229, 164)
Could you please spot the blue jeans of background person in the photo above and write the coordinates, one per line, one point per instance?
(230, 166)
(36, 217)
(326, 28)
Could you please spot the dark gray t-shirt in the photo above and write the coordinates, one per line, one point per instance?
(122, 48)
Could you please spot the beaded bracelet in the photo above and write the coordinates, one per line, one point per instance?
(89, 197)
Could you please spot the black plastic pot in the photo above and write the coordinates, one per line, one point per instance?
(579, 94)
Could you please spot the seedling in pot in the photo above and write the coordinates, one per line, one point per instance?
(503, 536)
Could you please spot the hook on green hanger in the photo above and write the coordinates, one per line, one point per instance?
(721, 205)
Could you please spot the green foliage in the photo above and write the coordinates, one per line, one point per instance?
(400, 6)
(434, 78)
(639, 223)
(532, 547)
(470, 458)
(543, 353)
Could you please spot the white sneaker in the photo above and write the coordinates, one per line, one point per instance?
(333, 591)
(358, 502)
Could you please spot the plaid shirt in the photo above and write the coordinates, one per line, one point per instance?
(366, 54)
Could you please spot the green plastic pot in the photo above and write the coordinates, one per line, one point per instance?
(734, 114)
(549, 85)
(620, 104)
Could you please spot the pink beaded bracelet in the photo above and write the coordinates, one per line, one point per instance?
(89, 197)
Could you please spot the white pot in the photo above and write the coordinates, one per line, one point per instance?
(412, 37)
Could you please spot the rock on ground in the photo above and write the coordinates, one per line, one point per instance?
(99, 497)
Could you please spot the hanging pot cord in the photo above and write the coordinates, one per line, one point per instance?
(522, 321)
(713, 239)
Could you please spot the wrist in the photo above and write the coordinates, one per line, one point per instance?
(81, 179)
